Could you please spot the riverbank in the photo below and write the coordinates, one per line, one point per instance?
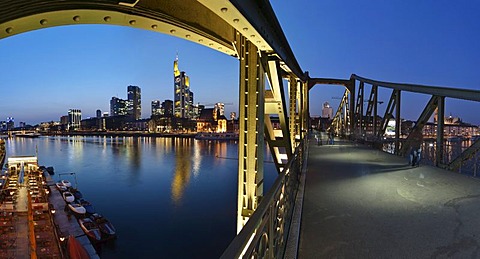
(123, 134)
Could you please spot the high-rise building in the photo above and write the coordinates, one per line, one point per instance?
(183, 97)
(118, 107)
(167, 108)
(10, 123)
(327, 111)
(99, 113)
(74, 119)
(134, 105)
(156, 110)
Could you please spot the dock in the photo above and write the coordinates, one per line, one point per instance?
(67, 224)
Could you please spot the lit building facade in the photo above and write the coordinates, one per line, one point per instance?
(166, 108)
(74, 119)
(327, 111)
(183, 97)
(134, 104)
(118, 107)
(156, 108)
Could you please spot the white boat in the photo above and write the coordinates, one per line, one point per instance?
(77, 208)
(68, 196)
(90, 228)
(61, 186)
(67, 183)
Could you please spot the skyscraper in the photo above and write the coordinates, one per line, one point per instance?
(118, 107)
(99, 113)
(134, 104)
(183, 98)
(156, 107)
(74, 118)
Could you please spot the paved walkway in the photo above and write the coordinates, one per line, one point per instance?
(363, 203)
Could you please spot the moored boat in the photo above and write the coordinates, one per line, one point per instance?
(104, 225)
(90, 228)
(60, 186)
(66, 183)
(68, 196)
(76, 250)
(87, 205)
(77, 208)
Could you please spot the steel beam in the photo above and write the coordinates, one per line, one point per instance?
(375, 108)
(388, 114)
(458, 93)
(398, 121)
(440, 127)
(293, 110)
(467, 154)
(251, 137)
(278, 140)
(416, 134)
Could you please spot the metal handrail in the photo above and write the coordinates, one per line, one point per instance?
(248, 242)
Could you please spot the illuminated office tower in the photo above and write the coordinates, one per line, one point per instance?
(118, 106)
(74, 118)
(156, 110)
(134, 104)
(183, 97)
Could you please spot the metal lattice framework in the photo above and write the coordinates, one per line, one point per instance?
(368, 126)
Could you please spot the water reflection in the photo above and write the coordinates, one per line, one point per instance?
(181, 176)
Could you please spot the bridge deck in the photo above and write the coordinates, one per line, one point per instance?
(363, 203)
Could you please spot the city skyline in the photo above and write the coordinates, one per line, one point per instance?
(49, 71)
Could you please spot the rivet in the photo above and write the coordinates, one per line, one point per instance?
(224, 9)
(173, 31)
(245, 29)
(252, 36)
(200, 40)
(210, 44)
(258, 42)
(43, 21)
(9, 30)
(236, 20)
(154, 26)
(107, 18)
(219, 48)
(132, 22)
(76, 18)
(188, 35)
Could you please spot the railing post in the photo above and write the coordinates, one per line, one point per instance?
(440, 125)
(251, 135)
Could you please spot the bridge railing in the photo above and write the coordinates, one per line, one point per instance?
(265, 234)
(372, 127)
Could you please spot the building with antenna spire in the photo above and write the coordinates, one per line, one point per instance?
(183, 97)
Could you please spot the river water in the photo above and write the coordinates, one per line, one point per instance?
(167, 198)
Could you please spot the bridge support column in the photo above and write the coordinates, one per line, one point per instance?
(251, 135)
(293, 110)
(440, 124)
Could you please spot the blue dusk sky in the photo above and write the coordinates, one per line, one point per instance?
(46, 72)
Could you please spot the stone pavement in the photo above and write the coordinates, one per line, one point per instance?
(363, 203)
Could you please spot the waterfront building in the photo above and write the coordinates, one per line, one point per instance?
(99, 113)
(218, 110)
(118, 107)
(64, 120)
(156, 108)
(166, 108)
(327, 111)
(10, 123)
(74, 119)
(210, 120)
(183, 97)
(134, 104)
